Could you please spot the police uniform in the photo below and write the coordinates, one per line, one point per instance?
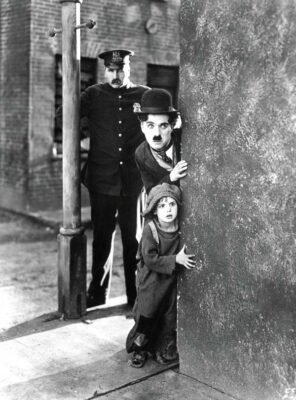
(114, 182)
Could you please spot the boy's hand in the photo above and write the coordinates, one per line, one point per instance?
(179, 171)
(185, 259)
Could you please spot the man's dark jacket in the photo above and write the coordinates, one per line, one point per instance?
(115, 133)
(151, 172)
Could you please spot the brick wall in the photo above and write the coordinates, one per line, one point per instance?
(14, 84)
(45, 172)
(119, 24)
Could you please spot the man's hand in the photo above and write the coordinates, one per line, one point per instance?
(179, 171)
(185, 259)
(84, 144)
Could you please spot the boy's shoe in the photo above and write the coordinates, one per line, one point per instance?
(138, 359)
(171, 353)
(160, 359)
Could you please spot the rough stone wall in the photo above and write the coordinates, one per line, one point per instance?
(238, 99)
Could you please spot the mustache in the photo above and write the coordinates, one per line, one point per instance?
(115, 81)
(157, 138)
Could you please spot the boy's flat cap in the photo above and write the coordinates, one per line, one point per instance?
(160, 191)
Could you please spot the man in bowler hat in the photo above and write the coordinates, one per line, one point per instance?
(112, 178)
(158, 158)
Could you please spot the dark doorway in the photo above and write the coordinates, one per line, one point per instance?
(165, 77)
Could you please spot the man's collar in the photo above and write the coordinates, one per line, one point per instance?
(165, 148)
(128, 85)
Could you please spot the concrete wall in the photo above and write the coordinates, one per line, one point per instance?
(238, 98)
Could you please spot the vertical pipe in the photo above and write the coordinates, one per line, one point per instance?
(72, 241)
(71, 95)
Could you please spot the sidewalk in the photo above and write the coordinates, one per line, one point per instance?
(68, 359)
(52, 359)
(47, 358)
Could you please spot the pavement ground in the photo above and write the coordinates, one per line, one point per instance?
(45, 357)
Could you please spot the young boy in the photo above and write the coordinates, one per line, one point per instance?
(154, 331)
(157, 158)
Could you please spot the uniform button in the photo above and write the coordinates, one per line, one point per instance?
(120, 96)
(120, 149)
(121, 162)
(120, 108)
(120, 122)
(120, 134)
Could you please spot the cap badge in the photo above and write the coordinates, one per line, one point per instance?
(116, 57)
(137, 107)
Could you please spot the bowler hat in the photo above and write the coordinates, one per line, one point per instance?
(114, 58)
(160, 191)
(156, 101)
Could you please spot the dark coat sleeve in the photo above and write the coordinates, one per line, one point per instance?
(85, 100)
(84, 105)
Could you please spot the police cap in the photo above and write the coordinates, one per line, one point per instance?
(115, 58)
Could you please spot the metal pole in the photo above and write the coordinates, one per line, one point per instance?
(72, 241)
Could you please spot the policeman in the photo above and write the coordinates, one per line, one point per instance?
(112, 178)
